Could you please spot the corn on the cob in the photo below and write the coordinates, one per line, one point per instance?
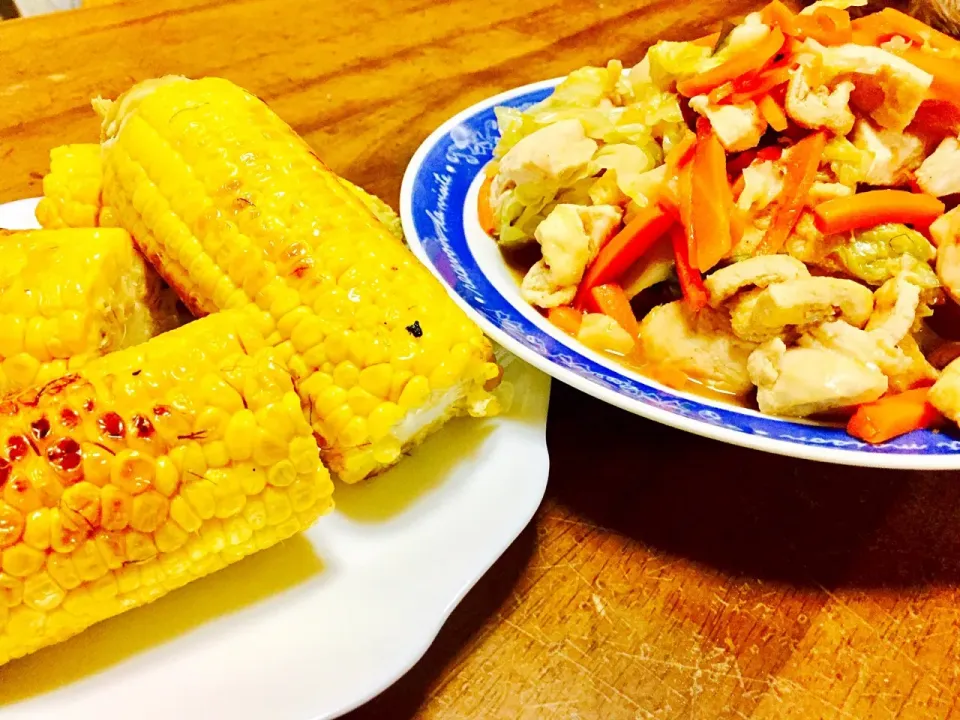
(72, 193)
(235, 210)
(67, 296)
(72, 188)
(146, 469)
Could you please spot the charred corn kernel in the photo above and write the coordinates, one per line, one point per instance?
(350, 307)
(73, 294)
(73, 551)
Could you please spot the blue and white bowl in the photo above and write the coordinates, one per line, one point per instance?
(438, 203)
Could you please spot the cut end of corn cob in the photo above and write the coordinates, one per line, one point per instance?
(149, 468)
(67, 296)
(236, 211)
(71, 190)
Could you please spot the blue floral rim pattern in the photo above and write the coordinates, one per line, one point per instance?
(432, 205)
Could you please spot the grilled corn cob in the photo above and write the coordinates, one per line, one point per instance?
(71, 190)
(72, 193)
(236, 211)
(148, 468)
(67, 296)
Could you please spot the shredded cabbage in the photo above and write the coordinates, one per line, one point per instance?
(848, 163)
(878, 254)
(623, 111)
(673, 61)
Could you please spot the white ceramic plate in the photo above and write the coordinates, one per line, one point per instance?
(438, 206)
(316, 626)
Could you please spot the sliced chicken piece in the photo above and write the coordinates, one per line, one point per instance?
(803, 381)
(945, 232)
(895, 305)
(762, 182)
(823, 191)
(894, 154)
(797, 304)
(945, 393)
(554, 153)
(946, 228)
(753, 234)
(603, 333)
(810, 246)
(939, 174)
(539, 289)
(902, 85)
(819, 107)
(756, 272)
(738, 127)
(570, 237)
(700, 345)
(873, 349)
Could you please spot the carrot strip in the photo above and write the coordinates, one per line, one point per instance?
(874, 207)
(711, 200)
(566, 318)
(691, 282)
(892, 416)
(624, 249)
(707, 40)
(678, 156)
(612, 301)
(740, 64)
(916, 30)
(779, 15)
(772, 113)
(945, 71)
(826, 25)
(752, 87)
(685, 207)
(802, 164)
(484, 210)
(667, 375)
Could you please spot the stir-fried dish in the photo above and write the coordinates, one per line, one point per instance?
(767, 212)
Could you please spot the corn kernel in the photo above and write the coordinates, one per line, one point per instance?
(25, 624)
(169, 537)
(12, 329)
(211, 423)
(387, 450)
(228, 496)
(132, 471)
(128, 579)
(237, 530)
(338, 419)
(346, 374)
(307, 334)
(256, 513)
(182, 514)
(278, 506)
(376, 380)
(11, 590)
(268, 448)
(240, 434)
(355, 433)
(140, 547)
(79, 603)
(84, 500)
(166, 479)
(276, 418)
(149, 511)
(304, 454)
(382, 420)
(20, 493)
(193, 461)
(414, 394)
(199, 496)
(216, 455)
(22, 560)
(112, 548)
(361, 401)
(214, 537)
(329, 399)
(357, 465)
(11, 525)
(96, 464)
(41, 592)
(104, 588)
(88, 562)
(220, 395)
(116, 508)
(288, 528)
(303, 493)
(36, 532)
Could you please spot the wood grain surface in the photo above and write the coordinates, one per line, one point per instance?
(665, 576)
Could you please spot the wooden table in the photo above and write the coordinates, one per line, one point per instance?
(665, 576)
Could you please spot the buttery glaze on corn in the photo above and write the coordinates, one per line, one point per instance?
(236, 211)
(143, 471)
